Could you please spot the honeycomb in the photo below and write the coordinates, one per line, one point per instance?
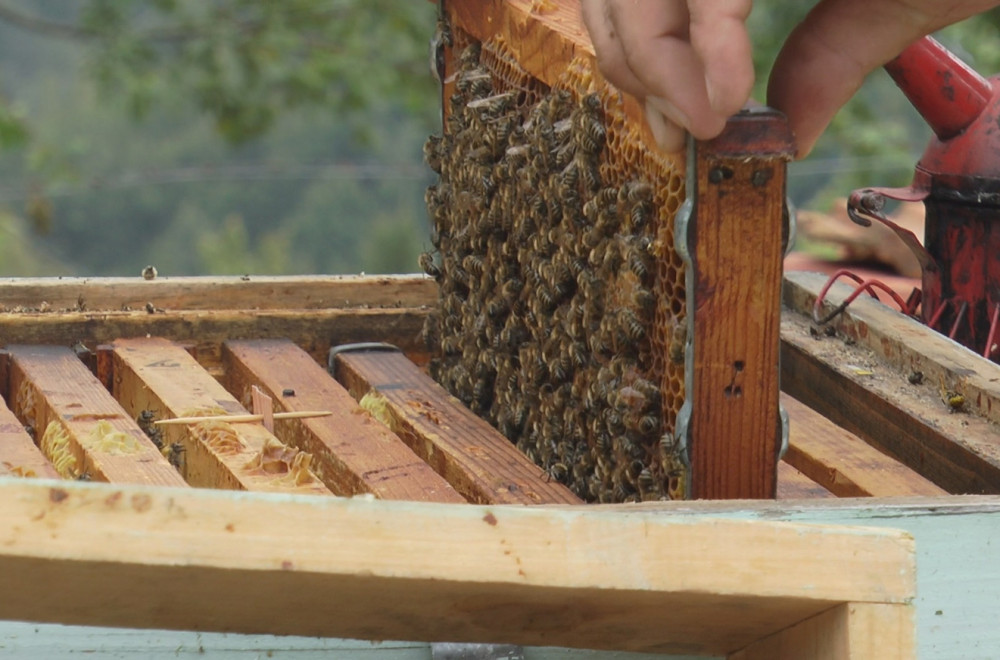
(561, 307)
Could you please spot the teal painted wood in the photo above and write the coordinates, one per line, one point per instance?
(958, 591)
(958, 560)
(51, 641)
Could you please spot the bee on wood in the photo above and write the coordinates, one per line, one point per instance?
(954, 400)
(175, 455)
(146, 420)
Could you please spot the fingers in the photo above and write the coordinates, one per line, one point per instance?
(720, 39)
(608, 47)
(690, 60)
(827, 57)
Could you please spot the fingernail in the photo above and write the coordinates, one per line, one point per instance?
(669, 137)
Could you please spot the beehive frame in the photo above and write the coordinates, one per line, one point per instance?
(560, 249)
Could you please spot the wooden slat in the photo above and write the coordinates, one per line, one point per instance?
(474, 457)
(52, 387)
(857, 630)
(353, 453)
(734, 238)
(155, 374)
(314, 330)
(574, 576)
(843, 463)
(905, 344)
(217, 293)
(18, 454)
(856, 391)
(793, 485)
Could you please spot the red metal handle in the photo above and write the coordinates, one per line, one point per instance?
(947, 93)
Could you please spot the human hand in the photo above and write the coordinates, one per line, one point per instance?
(690, 60)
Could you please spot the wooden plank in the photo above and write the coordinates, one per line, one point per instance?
(793, 485)
(353, 453)
(18, 454)
(216, 293)
(956, 540)
(470, 454)
(855, 631)
(314, 330)
(734, 239)
(574, 576)
(849, 385)
(843, 463)
(906, 345)
(157, 375)
(80, 427)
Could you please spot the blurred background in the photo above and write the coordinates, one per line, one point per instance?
(252, 136)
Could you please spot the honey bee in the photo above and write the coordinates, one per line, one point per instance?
(678, 341)
(426, 262)
(146, 420)
(640, 263)
(175, 455)
(644, 301)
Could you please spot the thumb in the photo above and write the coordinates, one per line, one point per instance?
(827, 57)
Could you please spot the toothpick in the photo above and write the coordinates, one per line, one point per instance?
(300, 414)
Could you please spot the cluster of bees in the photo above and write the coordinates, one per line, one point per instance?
(546, 276)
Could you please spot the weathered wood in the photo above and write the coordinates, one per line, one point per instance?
(956, 540)
(793, 485)
(313, 330)
(18, 454)
(843, 463)
(211, 560)
(154, 374)
(353, 453)
(470, 454)
(906, 344)
(217, 293)
(856, 631)
(76, 420)
(854, 389)
(734, 239)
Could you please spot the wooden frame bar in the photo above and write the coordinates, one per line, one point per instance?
(230, 561)
(258, 292)
(353, 453)
(59, 397)
(156, 375)
(863, 379)
(733, 240)
(474, 457)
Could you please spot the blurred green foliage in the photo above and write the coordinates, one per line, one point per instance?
(221, 136)
(240, 136)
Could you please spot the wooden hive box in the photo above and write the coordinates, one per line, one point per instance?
(88, 365)
(262, 535)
